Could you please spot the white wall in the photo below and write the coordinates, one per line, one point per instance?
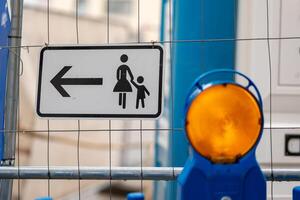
(253, 59)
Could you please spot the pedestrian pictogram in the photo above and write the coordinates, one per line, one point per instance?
(100, 81)
(123, 85)
(141, 91)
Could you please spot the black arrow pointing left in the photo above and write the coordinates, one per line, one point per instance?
(58, 81)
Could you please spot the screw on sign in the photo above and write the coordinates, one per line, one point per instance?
(100, 81)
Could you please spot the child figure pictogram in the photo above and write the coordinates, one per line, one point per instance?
(141, 91)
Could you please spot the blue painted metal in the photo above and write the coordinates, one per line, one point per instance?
(135, 196)
(4, 41)
(197, 20)
(242, 180)
(296, 193)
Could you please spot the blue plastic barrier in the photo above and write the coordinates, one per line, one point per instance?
(135, 196)
(44, 198)
(296, 193)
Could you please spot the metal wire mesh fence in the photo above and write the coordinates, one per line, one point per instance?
(97, 154)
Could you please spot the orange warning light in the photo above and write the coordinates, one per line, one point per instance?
(224, 122)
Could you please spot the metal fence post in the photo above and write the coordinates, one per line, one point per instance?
(12, 94)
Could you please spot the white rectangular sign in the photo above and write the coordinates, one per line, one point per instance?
(100, 81)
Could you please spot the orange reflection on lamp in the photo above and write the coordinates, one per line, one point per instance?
(224, 122)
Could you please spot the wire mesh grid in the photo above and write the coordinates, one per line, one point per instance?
(54, 133)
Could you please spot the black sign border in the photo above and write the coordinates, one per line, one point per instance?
(59, 115)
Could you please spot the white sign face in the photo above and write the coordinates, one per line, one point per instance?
(100, 81)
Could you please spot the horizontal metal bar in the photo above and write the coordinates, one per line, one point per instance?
(22, 131)
(120, 173)
(96, 173)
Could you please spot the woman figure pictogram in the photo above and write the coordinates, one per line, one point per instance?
(141, 91)
(123, 85)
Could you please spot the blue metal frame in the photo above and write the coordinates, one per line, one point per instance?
(4, 41)
(242, 180)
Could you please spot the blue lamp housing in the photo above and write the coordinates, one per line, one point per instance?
(202, 179)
